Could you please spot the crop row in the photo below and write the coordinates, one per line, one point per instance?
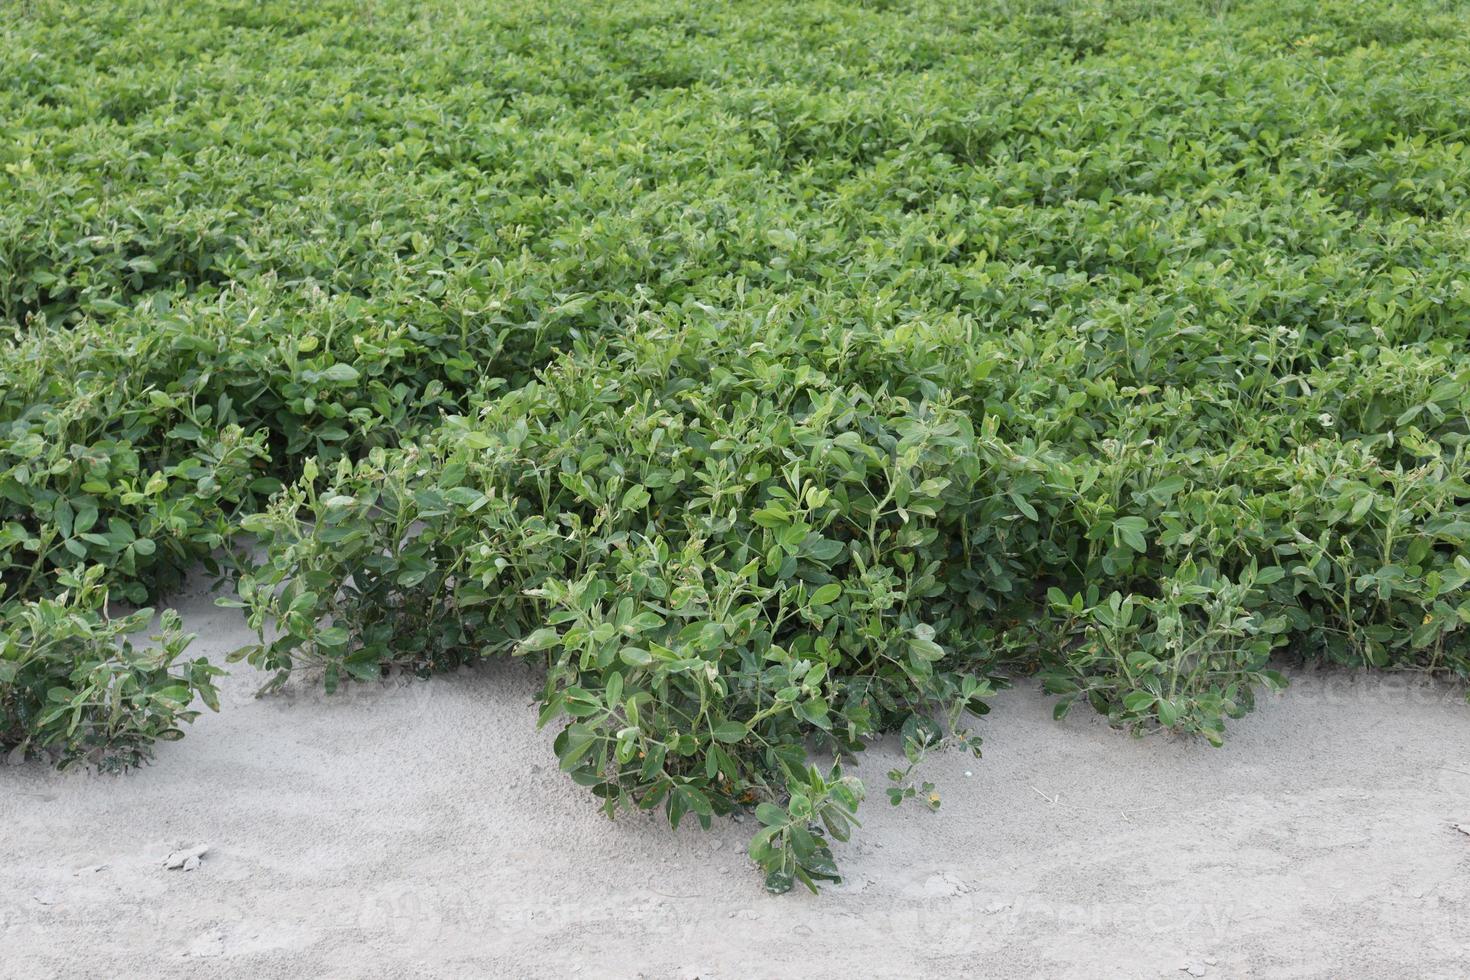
(780, 377)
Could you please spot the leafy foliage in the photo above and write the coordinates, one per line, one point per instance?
(778, 381)
(72, 683)
(724, 555)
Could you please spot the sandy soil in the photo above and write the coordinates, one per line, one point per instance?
(422, 829)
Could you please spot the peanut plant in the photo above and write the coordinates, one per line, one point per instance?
(777, 377)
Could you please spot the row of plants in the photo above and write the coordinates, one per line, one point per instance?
(779, 378)
(724, 554)
(739, 548)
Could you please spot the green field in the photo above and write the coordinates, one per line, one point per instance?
(779, 374)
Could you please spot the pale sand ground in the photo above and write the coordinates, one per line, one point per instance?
(424, 830)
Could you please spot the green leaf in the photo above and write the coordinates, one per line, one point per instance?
(770, 814)
(826, 594)
(730, 731)
(635, 498)
(1130, 531)
(1137, 702)
(542, 639)
(635, 656)
(1168, 713)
